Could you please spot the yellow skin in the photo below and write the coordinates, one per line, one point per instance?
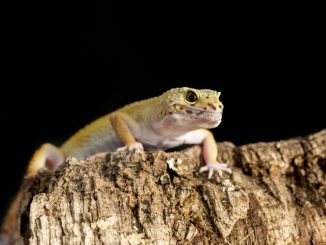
(178, 116)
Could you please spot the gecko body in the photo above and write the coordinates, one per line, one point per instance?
(178, 116)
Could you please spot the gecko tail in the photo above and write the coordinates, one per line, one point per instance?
(47, 156)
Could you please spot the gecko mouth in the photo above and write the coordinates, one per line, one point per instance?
(199, 111)
(197, 114)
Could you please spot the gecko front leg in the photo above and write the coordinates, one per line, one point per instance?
(206, 138)
(122, 125)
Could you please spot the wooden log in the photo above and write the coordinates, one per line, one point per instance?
(275, 195)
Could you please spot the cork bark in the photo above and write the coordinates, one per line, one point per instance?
(275, 195)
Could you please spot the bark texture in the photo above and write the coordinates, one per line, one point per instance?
(275, 195)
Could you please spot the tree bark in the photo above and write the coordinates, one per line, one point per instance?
(275, 195)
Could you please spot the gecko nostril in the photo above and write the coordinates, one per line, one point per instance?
(211, 106)
(220, 106)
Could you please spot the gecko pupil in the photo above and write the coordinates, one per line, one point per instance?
(191, 96)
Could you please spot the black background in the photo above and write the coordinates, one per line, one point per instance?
(67, 65)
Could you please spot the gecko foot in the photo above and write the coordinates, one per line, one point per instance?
(219, 167)
(135, 146)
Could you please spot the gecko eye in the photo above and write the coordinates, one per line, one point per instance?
(192, 96)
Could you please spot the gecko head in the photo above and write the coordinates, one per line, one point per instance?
(192, 108)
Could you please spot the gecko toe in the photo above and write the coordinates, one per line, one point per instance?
(219, 167)
(137, 147)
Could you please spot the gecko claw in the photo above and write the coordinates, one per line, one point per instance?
(219, 167)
